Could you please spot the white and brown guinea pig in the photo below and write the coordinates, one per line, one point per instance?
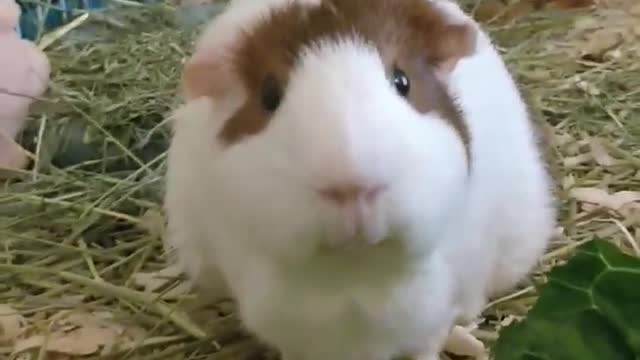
(359, 175)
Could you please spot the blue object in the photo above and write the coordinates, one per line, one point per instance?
(55, 13)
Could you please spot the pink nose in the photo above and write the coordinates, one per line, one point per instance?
(345, 194)
(357, 206)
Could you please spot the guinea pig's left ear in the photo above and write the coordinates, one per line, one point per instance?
(207, 73)
(452, 42)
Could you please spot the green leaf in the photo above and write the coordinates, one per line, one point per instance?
(588, 310)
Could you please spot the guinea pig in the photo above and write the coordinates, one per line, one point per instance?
(358, 175)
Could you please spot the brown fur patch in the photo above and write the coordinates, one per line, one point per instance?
(409, 34)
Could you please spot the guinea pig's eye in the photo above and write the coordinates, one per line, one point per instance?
(401, 82)
(271, 94)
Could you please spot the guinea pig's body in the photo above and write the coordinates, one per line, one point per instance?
(352, 217)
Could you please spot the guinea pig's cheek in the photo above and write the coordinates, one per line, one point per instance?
(401, 207)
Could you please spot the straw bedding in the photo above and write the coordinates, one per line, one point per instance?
(82, 266)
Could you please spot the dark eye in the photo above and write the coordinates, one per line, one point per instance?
(271, 94)
(401, 82)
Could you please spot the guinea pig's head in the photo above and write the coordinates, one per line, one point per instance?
(344, 132)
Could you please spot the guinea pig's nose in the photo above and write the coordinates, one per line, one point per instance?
(356, 204)
(343, 194)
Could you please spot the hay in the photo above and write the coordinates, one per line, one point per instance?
(82, 230)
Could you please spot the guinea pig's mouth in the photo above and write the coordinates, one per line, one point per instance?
(355, 243)
(362, 255)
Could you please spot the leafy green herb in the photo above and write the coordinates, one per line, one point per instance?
(589, 310)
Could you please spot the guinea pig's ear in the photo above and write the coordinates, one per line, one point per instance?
(452, 42)
(206, 73)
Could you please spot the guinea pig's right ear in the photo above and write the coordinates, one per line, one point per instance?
(206, 73)
(453, 42)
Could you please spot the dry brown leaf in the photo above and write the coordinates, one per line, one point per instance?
(602, 198)
(602, 41)
(50, 356)
(563, 139)
(631, 212)
(572, 4)
(81, 334)
(600, 153)
(152, 281)
(568, 181)
(80, 341)
(489, 9)
(11, 324)
(153, 222)
(72, 300)
(585, 23)
(607, 33)
(574, 161)
(573, 148)
(538, 75)
(495, 9)
(521, 9)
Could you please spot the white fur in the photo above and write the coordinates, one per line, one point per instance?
(248, 213)
(511, 201)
